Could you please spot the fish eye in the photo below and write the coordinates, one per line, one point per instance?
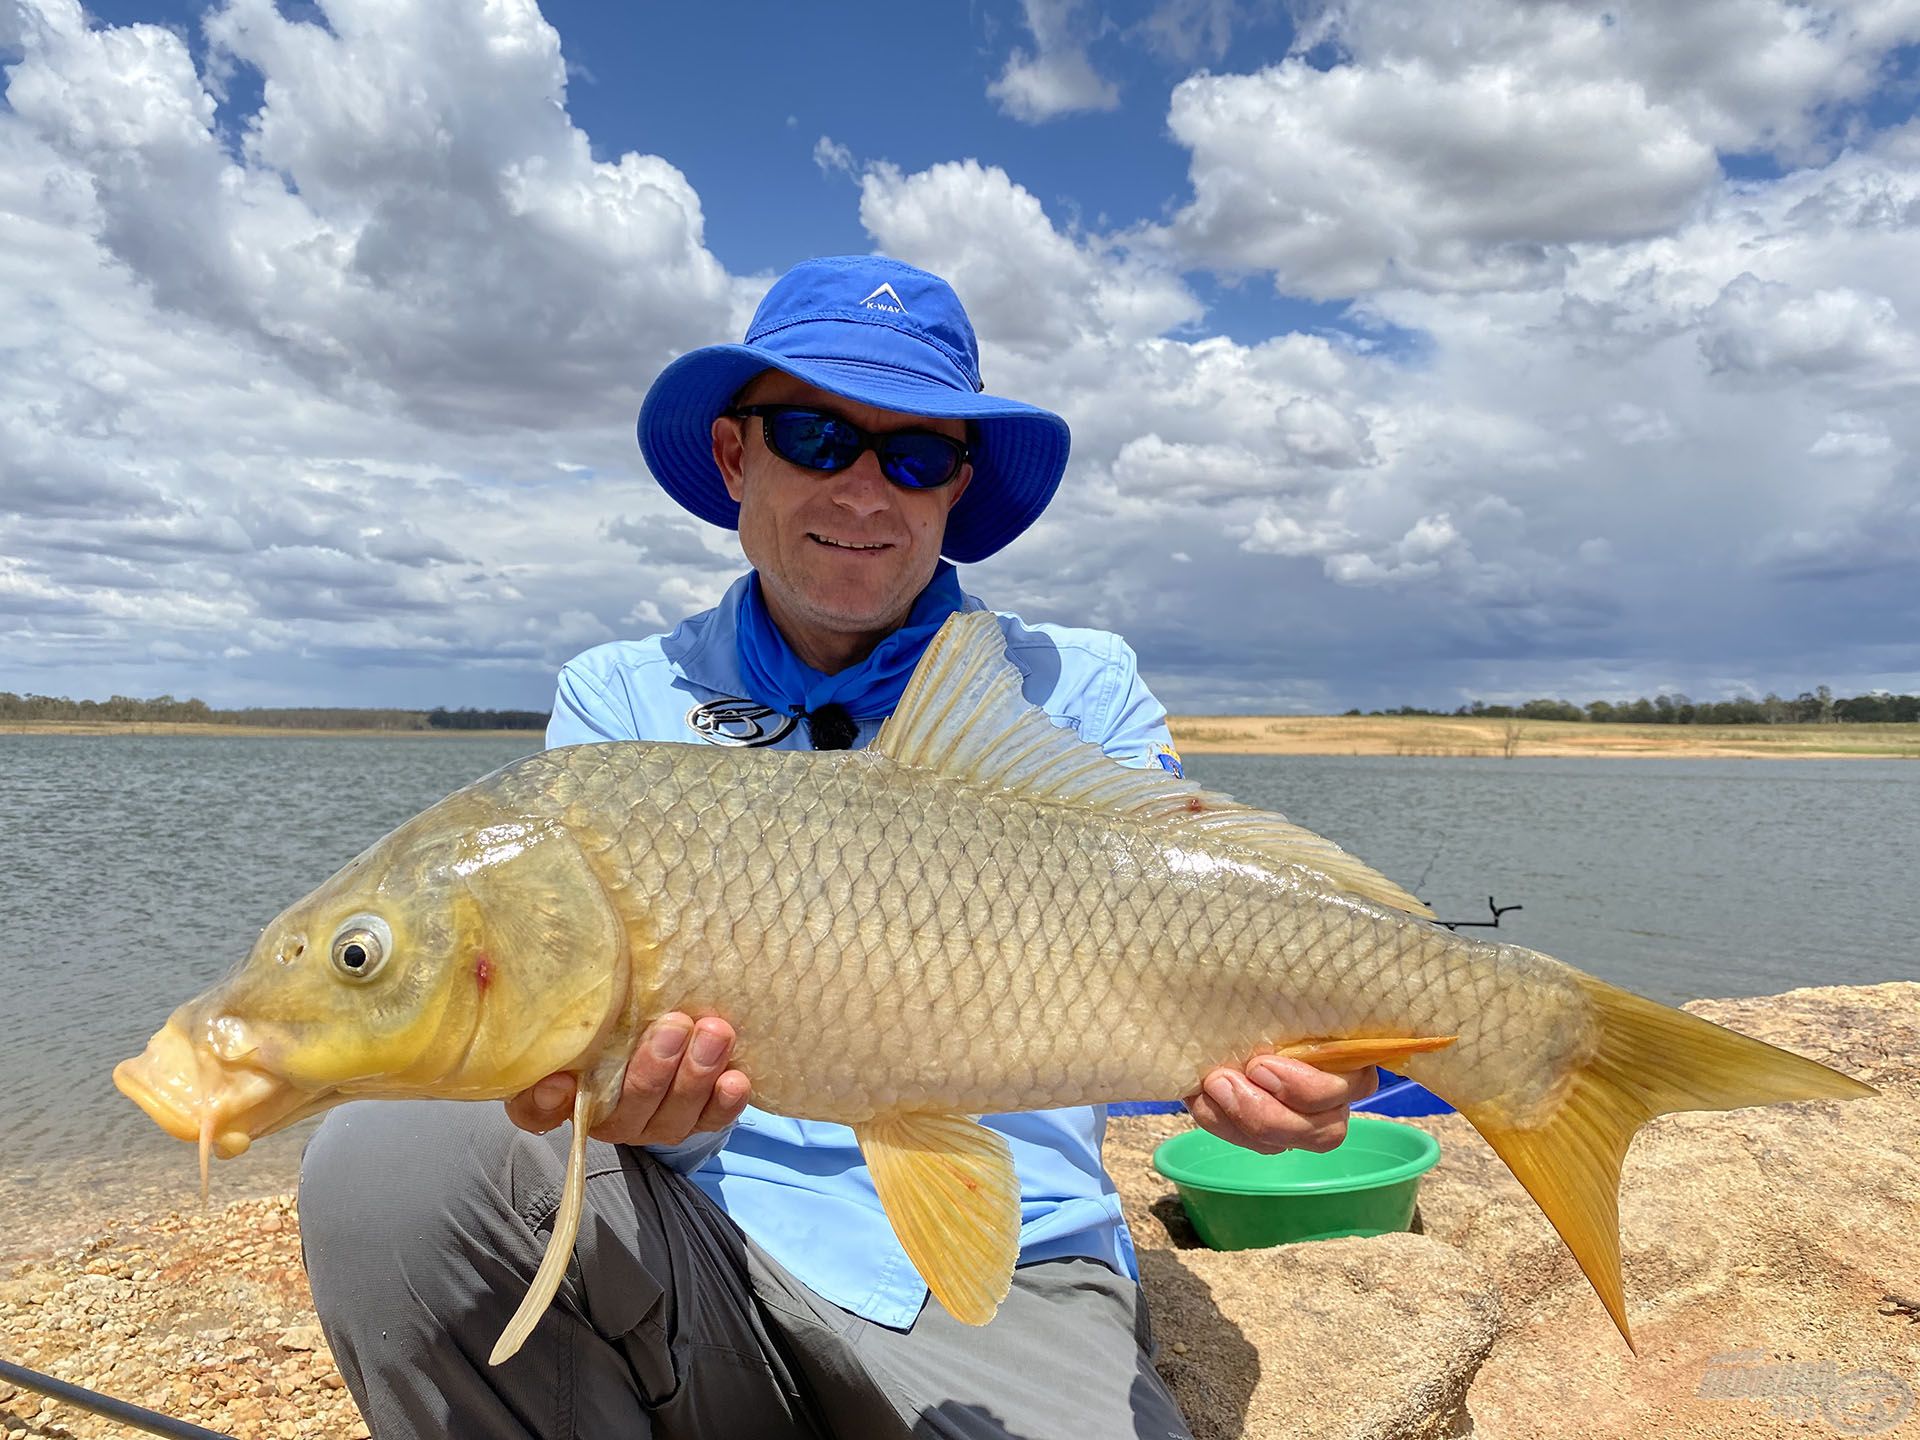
(361, 946)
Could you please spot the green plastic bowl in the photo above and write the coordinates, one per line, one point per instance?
(1238, 1200)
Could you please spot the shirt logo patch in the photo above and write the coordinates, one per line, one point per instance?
(892, 304)
(1169, 759)
(738, 722)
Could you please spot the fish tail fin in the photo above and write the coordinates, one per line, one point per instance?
(1650, 1059)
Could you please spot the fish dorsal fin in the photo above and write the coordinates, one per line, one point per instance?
(963, 715)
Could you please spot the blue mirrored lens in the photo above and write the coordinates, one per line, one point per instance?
(919, 461)
(816, 441)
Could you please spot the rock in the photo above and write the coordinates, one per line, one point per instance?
(247, 1412)
(1761, 1247)
(302, 1337)
(1364, 1339)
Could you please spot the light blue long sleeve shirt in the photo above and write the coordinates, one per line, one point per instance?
(798, 1187)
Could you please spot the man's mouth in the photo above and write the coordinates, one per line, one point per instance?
(858, 545)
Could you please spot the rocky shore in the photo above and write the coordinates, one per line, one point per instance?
(203, 1317)
(1772, 1270)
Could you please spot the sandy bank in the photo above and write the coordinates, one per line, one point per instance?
(1533, 739)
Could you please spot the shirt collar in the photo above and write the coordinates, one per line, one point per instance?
(705, 650)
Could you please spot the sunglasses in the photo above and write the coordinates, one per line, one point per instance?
(817, 440)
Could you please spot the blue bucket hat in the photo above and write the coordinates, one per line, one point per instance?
(880, 332)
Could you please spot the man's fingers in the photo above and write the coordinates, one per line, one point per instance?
(1307, 1089)
(1364, 1083)
(676, 1083)
(542, 1106)
(706, 1048)
(656, 1060)
(1206, 1114)
(730, 1093)
(647, 1082)
(1238, 1111)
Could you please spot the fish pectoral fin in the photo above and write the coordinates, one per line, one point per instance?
(566, 1228)
(1342, 1056)
(948, 1187)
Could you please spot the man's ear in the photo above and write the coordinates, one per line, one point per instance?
(957, 487)
(730, 452)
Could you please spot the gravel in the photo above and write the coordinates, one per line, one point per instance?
(203, 1316)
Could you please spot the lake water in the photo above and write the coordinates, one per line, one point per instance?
(134, 870)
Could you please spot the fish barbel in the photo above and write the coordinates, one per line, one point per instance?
(977, 914)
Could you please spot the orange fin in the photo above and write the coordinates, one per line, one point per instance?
(1341, 1056)
(1649, 1060)
(963, 715)
(207, 1121)
(566, 1228)
(947, 1184)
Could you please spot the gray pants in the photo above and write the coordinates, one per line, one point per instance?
(422, 1223)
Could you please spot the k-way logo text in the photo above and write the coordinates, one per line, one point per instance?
(891, 304)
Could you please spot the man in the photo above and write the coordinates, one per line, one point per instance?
(735, 1275)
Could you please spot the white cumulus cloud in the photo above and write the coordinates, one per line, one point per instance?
(1476, 146)
(410, 173)
(1056, 77)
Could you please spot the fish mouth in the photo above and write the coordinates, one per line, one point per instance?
(195, 1095)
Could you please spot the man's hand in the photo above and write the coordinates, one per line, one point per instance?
(1279, 1104)
(677, 1084)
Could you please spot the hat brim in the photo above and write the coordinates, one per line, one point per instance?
(1017, 464)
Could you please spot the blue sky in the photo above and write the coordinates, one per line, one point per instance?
(906, 86)
(1413, 354)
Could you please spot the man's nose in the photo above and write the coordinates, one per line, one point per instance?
(861, 488)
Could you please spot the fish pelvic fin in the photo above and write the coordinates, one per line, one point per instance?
(566, 1228)
(1650, 1059)
(963, 715)
(948, 1187)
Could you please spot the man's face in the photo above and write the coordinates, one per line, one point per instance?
(841, 554)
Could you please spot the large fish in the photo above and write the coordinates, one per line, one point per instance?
(977, 914)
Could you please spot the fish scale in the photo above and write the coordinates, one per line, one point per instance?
(977, 914)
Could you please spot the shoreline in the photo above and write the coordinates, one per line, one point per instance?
(1467, 736)
(199, 728)
(1450, 736)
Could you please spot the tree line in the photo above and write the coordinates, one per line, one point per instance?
(165, 710)
(1810, 707)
